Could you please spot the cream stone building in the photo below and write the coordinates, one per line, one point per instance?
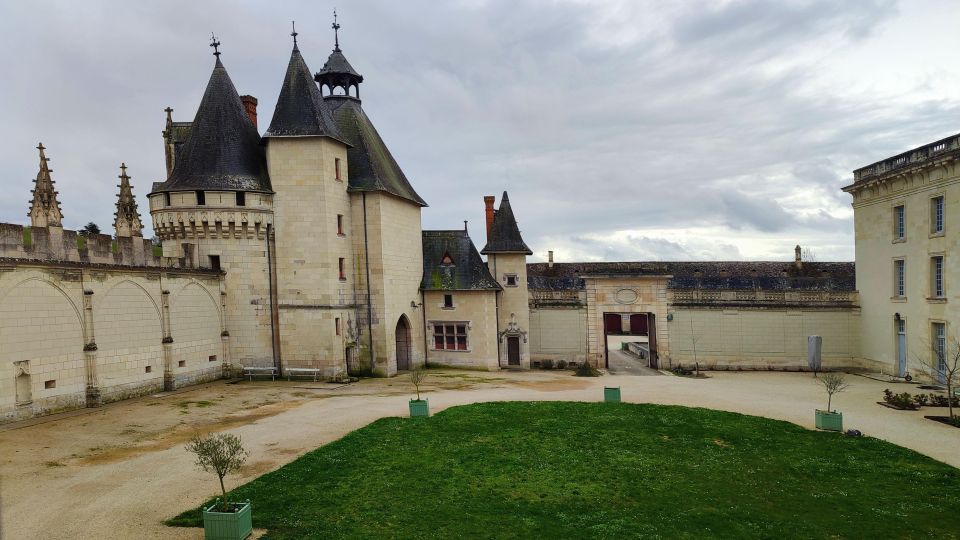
(905, 210)
(300, 252)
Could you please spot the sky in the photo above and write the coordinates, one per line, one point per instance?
(623, 130)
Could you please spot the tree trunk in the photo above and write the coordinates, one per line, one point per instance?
(829, 400)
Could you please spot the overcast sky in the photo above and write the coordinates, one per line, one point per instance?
(623, 130)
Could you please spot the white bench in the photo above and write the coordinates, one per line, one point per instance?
(250, 371)
(304, 372)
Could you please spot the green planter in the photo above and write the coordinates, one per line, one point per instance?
(829, 421)
(611, 394)
(228, 525)
(419, 407)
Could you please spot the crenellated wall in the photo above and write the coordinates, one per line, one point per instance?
(56, 243)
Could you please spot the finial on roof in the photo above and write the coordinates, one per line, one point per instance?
(293, 24)
(123, 171)
(44, 207)
(336, 28)
(41, 148)
(215, 44)
(127, 218)
(169, 112)
(464, 225)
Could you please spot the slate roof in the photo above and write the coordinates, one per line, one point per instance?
(301, 110)
(717, 275)
(337, 64)
(371, 165)
(222, 151)
(468, 271)
(504, 236)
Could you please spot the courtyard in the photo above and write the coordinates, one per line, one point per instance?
(121, 470)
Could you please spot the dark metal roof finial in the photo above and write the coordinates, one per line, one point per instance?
(294, 33)
(336, 36)
(215, 44)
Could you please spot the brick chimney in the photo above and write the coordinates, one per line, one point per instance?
(250, 104)
(488, 203)
(797, 258)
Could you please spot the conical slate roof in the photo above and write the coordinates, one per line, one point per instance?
(337, 65)
(371, 166)
(504, 234)
(223, 150)
(300, 110)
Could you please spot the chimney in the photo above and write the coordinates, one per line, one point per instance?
(250, 104)
(550, 259)
(488, 203)
(797, 261)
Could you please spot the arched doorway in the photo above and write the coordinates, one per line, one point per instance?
(403, 344)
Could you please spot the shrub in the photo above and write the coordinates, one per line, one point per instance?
(900, 401)
(562, 364)
(921, 400)
(546, 364)
(939, 400)
(219, 454)
(586, 370)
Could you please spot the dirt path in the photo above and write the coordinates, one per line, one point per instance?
(119, 471)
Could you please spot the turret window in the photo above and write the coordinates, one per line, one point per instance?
(340, 225)
(241, 198)
(336, 166)
(201, 198)
(166, 199)
(510, 280)
(342, 267)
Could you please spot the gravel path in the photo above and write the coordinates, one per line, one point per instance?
(119, 471)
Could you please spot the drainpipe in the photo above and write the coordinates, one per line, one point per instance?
(497, 297)
(366, 254)
(426, 341)
(274, 309)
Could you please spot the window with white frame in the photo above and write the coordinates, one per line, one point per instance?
(936, 214)
(450, 336)
(899, 273)
(899, 222)
(936, 276)
(940, 345)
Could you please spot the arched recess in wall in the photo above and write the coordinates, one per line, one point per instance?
(194, 315)
(126, 318)
(40, 323)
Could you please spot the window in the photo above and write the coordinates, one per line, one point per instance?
(899, 271)
(215, 262)
(342, 265)
(448, 301)
(450, 336)
(166, 199)
(336, 325)
(182, 363)
(241, 198)
(50, 384)
(340, 225)
(212, 358)
(899, 223)
(940, 346)
(148, 369)
(936, 276)
(511, 280)
(936, 214)
(336, 167)
(201, 198)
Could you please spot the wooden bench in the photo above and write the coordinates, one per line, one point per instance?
(250, 371)
(303, 372)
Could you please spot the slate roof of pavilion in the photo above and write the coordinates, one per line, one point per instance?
(467, 272)
(301, 110)
(504, 236)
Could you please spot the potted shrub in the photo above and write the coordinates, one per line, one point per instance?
(418, 407)
(830, 420)
(222, 454)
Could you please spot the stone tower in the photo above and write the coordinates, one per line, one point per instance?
(386, 231)
(307, 160)
(215, 210)
(507, 258)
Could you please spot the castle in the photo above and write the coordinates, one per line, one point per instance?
(300, 251)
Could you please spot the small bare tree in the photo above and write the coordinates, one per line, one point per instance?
(833, 383)
(417, 375)
(220, 454)
(945, 369)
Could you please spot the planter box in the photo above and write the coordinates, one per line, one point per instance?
(419, 408)
(829, 421)
(228, 525)
(611, 394)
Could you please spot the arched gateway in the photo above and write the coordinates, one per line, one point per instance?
(403, 344)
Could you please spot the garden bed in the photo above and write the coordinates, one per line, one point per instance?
(945, 420)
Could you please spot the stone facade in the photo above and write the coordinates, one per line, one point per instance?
(474, 310)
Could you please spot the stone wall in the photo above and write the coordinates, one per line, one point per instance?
(74, 335)
(477, 310)
(514, 302)
(558, 333)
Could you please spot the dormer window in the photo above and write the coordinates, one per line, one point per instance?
(447, 260)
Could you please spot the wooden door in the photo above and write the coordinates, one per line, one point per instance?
(513, 351)
(403, 344)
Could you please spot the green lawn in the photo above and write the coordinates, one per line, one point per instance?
(598, 470)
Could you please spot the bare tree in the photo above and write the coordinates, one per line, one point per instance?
(220, 454)
(417, 375)
(833, 383)
(944, 369)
